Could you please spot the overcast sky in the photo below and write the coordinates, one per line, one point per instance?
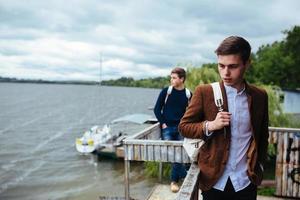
(63, 40)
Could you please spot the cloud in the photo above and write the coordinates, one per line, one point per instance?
(59, 40)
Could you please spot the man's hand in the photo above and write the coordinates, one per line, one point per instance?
(163, 126)
(222, 120)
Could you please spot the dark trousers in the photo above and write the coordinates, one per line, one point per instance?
(178, 170)
(249, 193)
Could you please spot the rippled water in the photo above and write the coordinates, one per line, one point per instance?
(38, 126)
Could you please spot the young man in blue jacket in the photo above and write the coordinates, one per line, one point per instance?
(169, 109)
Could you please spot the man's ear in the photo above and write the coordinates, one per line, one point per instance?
(248, 64)
(182, 79)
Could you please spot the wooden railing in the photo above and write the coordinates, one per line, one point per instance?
(147, 146)
(287, 178)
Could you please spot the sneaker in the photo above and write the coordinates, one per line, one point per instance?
(174, 187)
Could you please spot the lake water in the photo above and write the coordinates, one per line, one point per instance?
(38, 127)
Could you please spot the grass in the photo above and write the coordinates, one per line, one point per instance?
(266, 191)
(152, 169)
(269, 173)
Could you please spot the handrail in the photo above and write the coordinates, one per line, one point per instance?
(284, 129)
(189, 185)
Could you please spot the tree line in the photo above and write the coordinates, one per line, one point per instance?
(276, 64)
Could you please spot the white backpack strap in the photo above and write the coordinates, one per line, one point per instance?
(217, 95)
(188, 93)
(170, 88)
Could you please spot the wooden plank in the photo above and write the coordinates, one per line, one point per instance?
(145, 155)
(284, 179)
(157, 153)
(145, 132)
(278, 179)
(279, 165)
(137, 152)
(171, 154)
(285, 165)
(296, 186)
(150, 152)
(130, 152)
(142, 151)
(155, 134)
(178, 154)
(291, 162)
(164, 153)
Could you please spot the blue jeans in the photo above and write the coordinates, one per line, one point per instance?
(178, 170)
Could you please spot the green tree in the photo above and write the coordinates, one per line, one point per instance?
(202, 75)
(291, 51)
(276, 116)
(271, 65)
(278, 63)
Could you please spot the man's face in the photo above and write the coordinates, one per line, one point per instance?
(232, 69)
(175, 80)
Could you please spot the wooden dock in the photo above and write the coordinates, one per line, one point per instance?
(161, 192)
(148, 146)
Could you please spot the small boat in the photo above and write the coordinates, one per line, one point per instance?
(93, 139)
(107, 139)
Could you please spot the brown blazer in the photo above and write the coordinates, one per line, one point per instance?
(214, 153)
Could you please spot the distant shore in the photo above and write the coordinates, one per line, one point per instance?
(123, 82)
(158, 82)
(15, 80)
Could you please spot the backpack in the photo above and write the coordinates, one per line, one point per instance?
(192, 146)
(170, 88)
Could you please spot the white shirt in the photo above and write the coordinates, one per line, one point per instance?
(236, 167)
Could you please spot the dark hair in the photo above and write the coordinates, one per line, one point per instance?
(180, 72)
(235, 45)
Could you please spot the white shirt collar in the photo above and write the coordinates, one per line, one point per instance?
(230, 89)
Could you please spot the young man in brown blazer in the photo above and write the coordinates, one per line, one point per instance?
(231, 160)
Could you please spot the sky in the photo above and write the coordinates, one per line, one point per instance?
(70, 40)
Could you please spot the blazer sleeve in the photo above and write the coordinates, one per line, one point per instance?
(263, 144)
(191, 124)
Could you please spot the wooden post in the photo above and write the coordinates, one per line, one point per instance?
(127, 172)
(160, 171)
